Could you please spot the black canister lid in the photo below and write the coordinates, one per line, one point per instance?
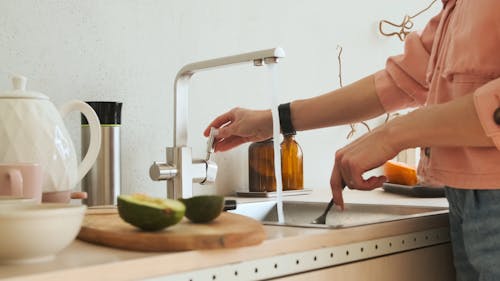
(109, 112)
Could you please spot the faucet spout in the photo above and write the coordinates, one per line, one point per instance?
(181, 170)
(181, 88)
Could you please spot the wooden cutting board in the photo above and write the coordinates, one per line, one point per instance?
(105, 227)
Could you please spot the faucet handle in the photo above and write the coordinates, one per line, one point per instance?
(210, 143)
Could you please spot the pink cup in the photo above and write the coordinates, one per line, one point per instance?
(21, 180)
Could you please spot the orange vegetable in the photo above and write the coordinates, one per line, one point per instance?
(400, 173)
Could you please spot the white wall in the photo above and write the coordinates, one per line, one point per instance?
(130, 51)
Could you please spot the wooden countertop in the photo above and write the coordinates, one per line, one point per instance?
(84, 261)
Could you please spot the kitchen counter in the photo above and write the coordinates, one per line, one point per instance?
(377, 196)
(84, 261)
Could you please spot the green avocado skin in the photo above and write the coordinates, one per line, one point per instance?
(203, 208)
(148, 218)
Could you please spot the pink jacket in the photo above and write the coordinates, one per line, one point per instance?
(458, 53)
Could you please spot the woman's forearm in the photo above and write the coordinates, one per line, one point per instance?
(454, 123)
(353, 103)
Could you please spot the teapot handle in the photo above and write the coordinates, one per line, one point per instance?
(95, 134)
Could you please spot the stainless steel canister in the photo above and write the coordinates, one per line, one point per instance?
(103, 182)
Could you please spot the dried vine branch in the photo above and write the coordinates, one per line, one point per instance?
(405, 26)
(388, 116)
(339, 48)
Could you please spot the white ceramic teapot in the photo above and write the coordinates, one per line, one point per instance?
(32, 130)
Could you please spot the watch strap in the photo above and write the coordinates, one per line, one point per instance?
(286, 119)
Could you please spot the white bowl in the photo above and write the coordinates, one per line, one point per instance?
(37, 232)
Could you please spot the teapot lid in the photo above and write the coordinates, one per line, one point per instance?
(19, 91)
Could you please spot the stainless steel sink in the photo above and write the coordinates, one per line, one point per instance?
(300, 214)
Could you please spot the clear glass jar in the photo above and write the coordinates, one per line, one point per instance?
(261, 165)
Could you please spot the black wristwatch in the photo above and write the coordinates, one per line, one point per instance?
(496, 116)
(286, 119)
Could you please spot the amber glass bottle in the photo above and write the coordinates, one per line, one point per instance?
(292, 167)
(261, 165)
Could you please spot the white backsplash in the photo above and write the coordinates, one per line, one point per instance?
(130, 51)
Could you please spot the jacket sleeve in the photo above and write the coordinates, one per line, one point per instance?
(487, 103)
(403, 82)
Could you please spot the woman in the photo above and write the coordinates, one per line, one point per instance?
(451, 72)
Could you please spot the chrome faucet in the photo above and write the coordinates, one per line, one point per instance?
(181, 170)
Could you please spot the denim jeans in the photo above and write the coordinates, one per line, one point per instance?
(475, 233)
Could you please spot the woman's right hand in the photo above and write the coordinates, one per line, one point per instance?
(241, 125)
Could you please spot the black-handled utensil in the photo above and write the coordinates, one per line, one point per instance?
(322, 218)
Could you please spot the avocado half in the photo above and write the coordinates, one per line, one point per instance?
(203, 208)
(149, 213)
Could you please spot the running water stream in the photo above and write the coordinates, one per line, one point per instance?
(277, 141)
